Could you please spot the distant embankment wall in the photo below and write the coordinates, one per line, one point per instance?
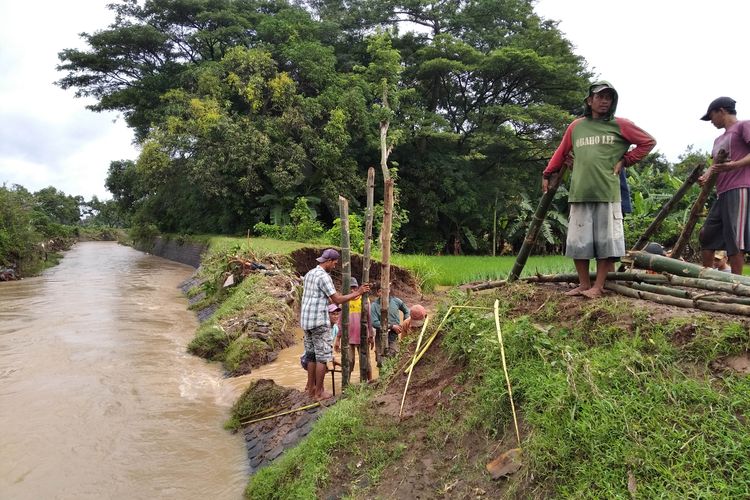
(178, 250)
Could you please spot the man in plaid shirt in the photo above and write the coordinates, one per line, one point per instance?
(317, 292)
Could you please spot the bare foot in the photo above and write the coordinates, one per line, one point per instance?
(577, 290)
(323, 396)
(593, 293)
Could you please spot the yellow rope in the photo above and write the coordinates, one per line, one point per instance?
(505, 369)
(280, 414)
(429, 342)
(413, 362)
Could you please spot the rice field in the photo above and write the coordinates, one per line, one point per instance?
(451, 270)
(430, 270)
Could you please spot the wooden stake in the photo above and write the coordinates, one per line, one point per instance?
(346, 271)
(385, 267)
(364, 325)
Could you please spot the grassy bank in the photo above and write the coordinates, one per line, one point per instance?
(616, 400)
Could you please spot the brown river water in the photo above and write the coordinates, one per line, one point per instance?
(98, 397)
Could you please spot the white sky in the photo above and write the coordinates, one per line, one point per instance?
(667, 58)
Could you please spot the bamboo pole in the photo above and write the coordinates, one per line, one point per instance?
(697, 208)
(710, 296)
(411, 368)
(505, 369)
(364, 325)
(668, 206)
(385, 267)
(430, 340)
(738, 309)
(535, 226)
(346, 269)
(307, 407)
(680, 268)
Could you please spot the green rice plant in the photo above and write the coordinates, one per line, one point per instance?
(450, 270)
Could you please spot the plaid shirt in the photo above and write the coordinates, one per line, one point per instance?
(316, 288)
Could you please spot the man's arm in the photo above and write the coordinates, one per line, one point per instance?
(337, 298)
(562, 156)
(643, 141)
(404, 308)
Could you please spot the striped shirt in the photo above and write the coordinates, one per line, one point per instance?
(316, 288)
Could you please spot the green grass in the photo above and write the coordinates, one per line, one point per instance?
(602, 402)
(302, 470)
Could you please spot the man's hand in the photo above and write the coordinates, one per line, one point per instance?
(371, 342)
(337, 346)
(618, 168)
(545, 185)
(707, 175)
(362, 289)
(396, 328)
(724, 167)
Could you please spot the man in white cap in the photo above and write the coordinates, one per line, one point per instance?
(317, 293)
(727, 225)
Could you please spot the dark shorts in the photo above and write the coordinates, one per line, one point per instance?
(318, 340)
(726, 226)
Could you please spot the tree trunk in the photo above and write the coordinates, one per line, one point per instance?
(385, 274)
(364, 326)
(346, 271)
(535, 226)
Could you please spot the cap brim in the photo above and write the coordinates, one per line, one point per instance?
(705, 117)
(321, 259)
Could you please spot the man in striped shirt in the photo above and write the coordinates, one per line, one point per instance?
(317, 293)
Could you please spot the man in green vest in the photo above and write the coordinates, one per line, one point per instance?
(599, 144)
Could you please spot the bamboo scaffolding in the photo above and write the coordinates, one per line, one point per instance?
(346, 271)
(697, 208)
(536, 223)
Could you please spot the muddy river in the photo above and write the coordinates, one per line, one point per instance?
(98, 398)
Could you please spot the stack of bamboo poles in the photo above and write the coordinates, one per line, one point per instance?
(672, 282)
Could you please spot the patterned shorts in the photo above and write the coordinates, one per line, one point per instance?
(318, 340)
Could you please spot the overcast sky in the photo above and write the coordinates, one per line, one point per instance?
(667, 58)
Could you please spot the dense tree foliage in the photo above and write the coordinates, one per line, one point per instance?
(243, 106)
(32, 224)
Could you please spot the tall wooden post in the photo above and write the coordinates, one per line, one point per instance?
(364, 326)
(346, 271)
(385, 269)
